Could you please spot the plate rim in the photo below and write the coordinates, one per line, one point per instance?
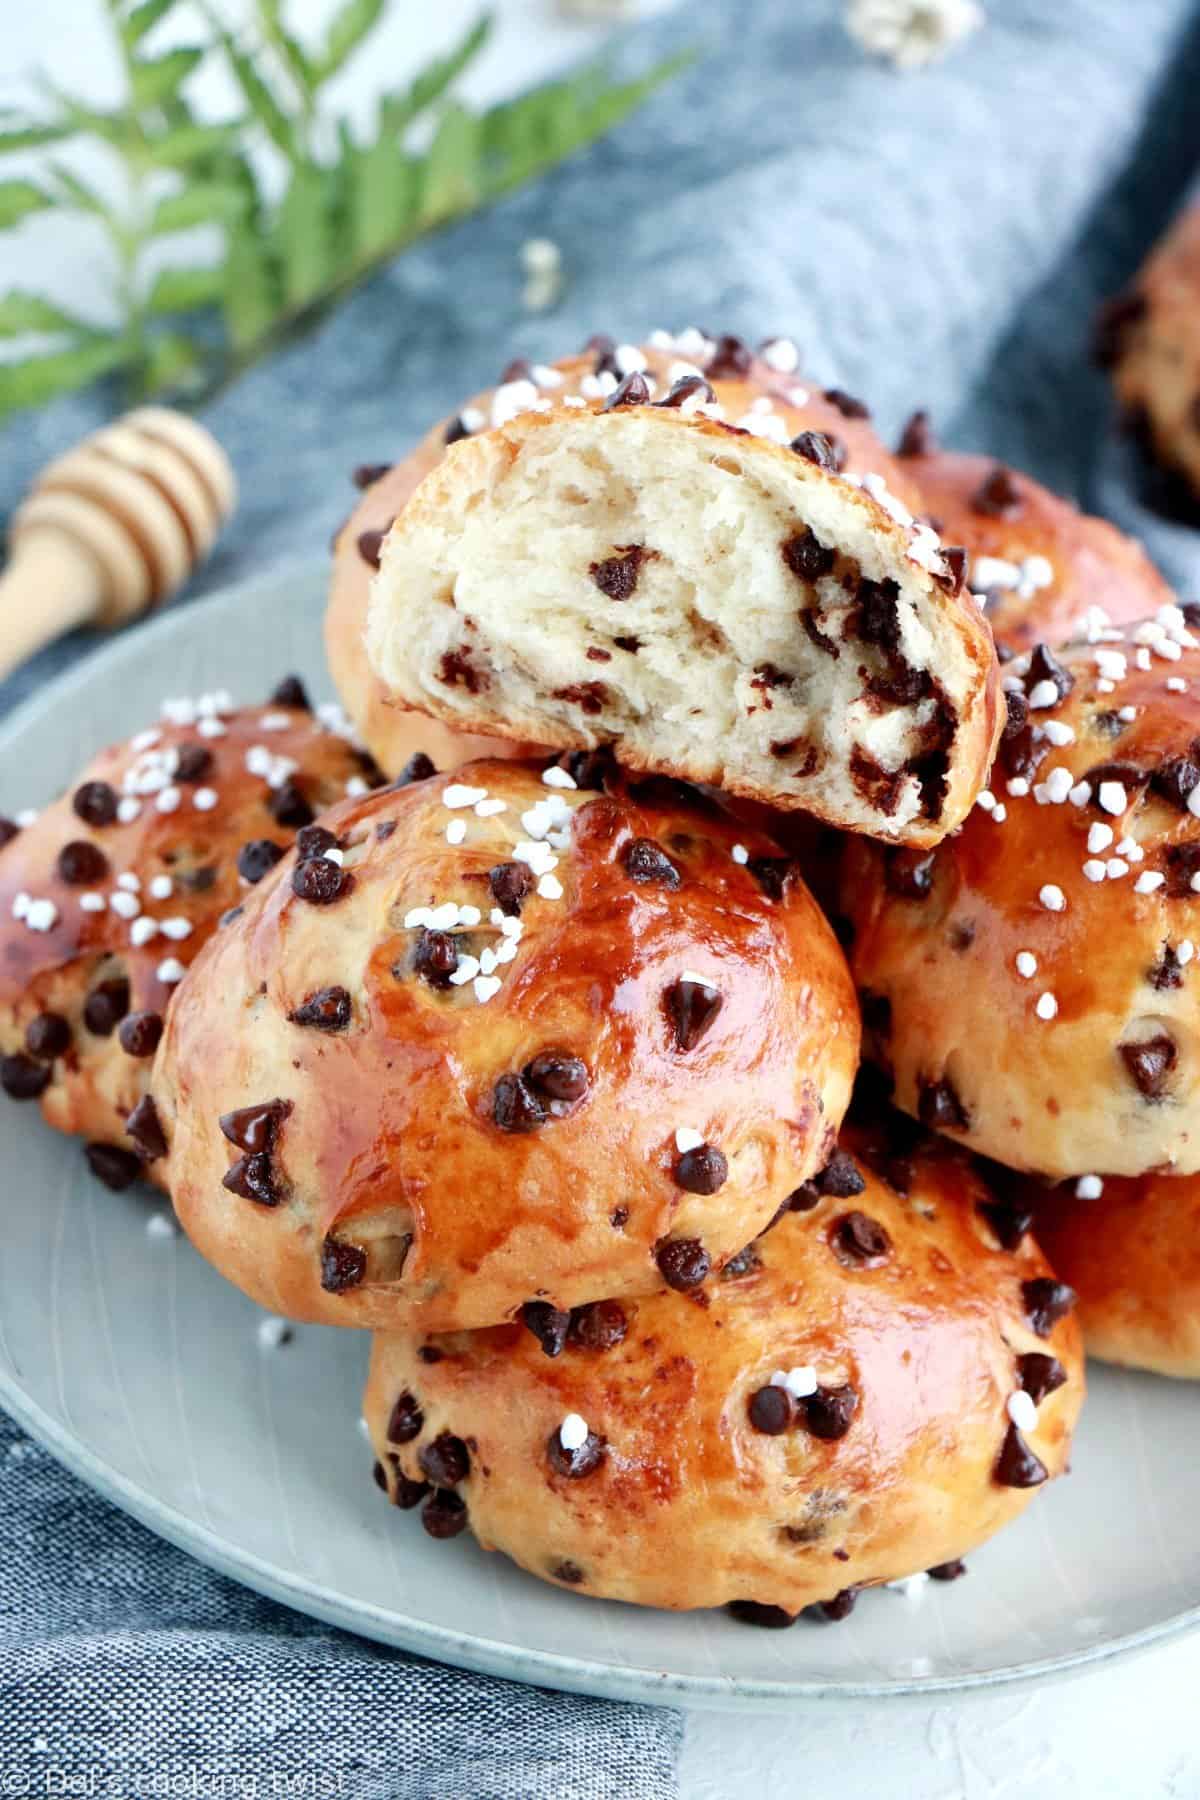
(481, 1655)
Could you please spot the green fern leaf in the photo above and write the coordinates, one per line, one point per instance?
(184, 290)
(21, 312)
(287, 48)
(304, 236)
(353, 21)
(190, 144)
(397, 111)
(20, 198)
(156, 79)
(141, 20)
(252, 296)
(452, 168)
(43, 378)
(200, 203)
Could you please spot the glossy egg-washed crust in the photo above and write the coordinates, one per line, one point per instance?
(688, 1504)
(403, 1194)
(1109, 1082)
(91, 1081)
(356, 545)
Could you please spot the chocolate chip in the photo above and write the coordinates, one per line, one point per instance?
(917, 438)
(876, 618)
(429, 1353)
(1016, 713)
(1113, 323)
(1132, 778)
(731, 359)
(575, 1464)
(1040, 1375)
(446, 1461)
(9, 829)
(839, 1608)
(634, 390)
(617, 576)
(406, 1494)
(106, 1006)
(328, 1009)
(47, 1035)
(939, 1107)
(683, 1263)
(319, 881)
(594, 770)
(569, 1572)
(288, 806)
(847, 405)
(1167, 972)
(314, 840)
(691, 1007)
(117, 1169)
(291, 691)
(1010, 1222)
(644, 860)
(444, 1514)
(255, 1128)
(195, 762)
(829, 1413)
(746, 1261)
(145, 1128)
(806, 556)
(771, 874)
(947, 1571)
(1016, 1465)
(511, 883)
(515, 1107)
(685, 387)
(702, 1170)
(140, 1033)
(1174, 780)
(1150, 1064)
(770, 1410)
(753, 1612)
(230, 914)
(419, 767)
(406, 1422)
(384, 830)
(435, 957)
(909, 873)
(253, 1178)
(859, 1242)
(816, 447)
(22, 1078)
(601, 1325)
(548, 1325)
(998, 495)
(1046, 1301)
(370, 544)
(619, 1218)
(519, 369)
(457, 670)
(95, 802)
(342, 1265)
(456, 430)
(81, 864)
(841, 1178)
(257, 858)
(955, 559)
(1183, 865)
(559, 1078)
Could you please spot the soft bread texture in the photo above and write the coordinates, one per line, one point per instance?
(686, 1503)
(1150, 337)
(1133, 1255)
(1031, 985)
(100, 913)
(749, 391)
(1037, 562)
(424, 1165)
(714, 604)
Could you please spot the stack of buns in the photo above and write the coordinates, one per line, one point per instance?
(721, 747)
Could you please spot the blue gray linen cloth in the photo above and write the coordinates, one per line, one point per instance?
(936, 239)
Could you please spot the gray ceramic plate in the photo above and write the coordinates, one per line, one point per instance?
(143, 1371)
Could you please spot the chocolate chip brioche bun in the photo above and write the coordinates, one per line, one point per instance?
(580, 576)
(1131, 1249)
(108, 894)
(1030, 984)
(1035, 561)
(869, 1391)
(502, 1037)
(760, 393)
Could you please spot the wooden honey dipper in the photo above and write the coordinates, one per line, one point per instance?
(112, 528)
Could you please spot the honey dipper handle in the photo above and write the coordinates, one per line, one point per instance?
(50, 586)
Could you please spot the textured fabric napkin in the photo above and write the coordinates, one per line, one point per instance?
(937, 239)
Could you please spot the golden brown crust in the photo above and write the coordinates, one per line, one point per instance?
(192, 819)
(1150, 337)
(1031, 985)
(405, 1122)
(689, 1505)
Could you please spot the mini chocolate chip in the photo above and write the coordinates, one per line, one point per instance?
(683, 1263)
(511, 883)
(328, 1009)
(1046, 1302)
(370, 545)
(858, 1241)
(685, 387)
(291, 691)
(444, 1514)
(289, 806)
(841, 1178)
(1132, 778)
(702, 1170)
(314, 840)
(644, 860)
(876, 617)
(731, 358)
(840, 1607)
(575, 1464)
(1167, 972)
(998, 495)
(1175, 779)
(806, 556)
(257, 858)
(1016, 713)
(1113, 322)
(746, 1261)
(384, 830)
(634, 390)
(435, 957)
(140, 1033)
(1183, 865)
(253, 1178)
(255, 1128)
(939, 1107)
(456, 430)
(407, 1421)
(419, 767)
(947, 1571)
(429, 1353)
(9, 829)
(145, 1128)
(771, 874)
(1045, 666)
(1150, 1064)
(195, 762)
(106, 1006)
(342, 1265)
(548, 1325)
(47, 1035)
(567, 1571)
(1016, 1465)
(406, 1494)
(770, 1410)
(95, 802)
(81, 864)
(753, 1612)
(691, 1007)
(829, 1413)
(1010, 1222)
(117, 1169)
(816, 447)
(1040, 1374)
(917, 438)
(319, 881)
(22, 1078)
(446, 1461)
(600, 1325)
(955, 559)
(619, 1218)
(847, 405)
(909, 873)
(557, 1076)
(617, 576)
